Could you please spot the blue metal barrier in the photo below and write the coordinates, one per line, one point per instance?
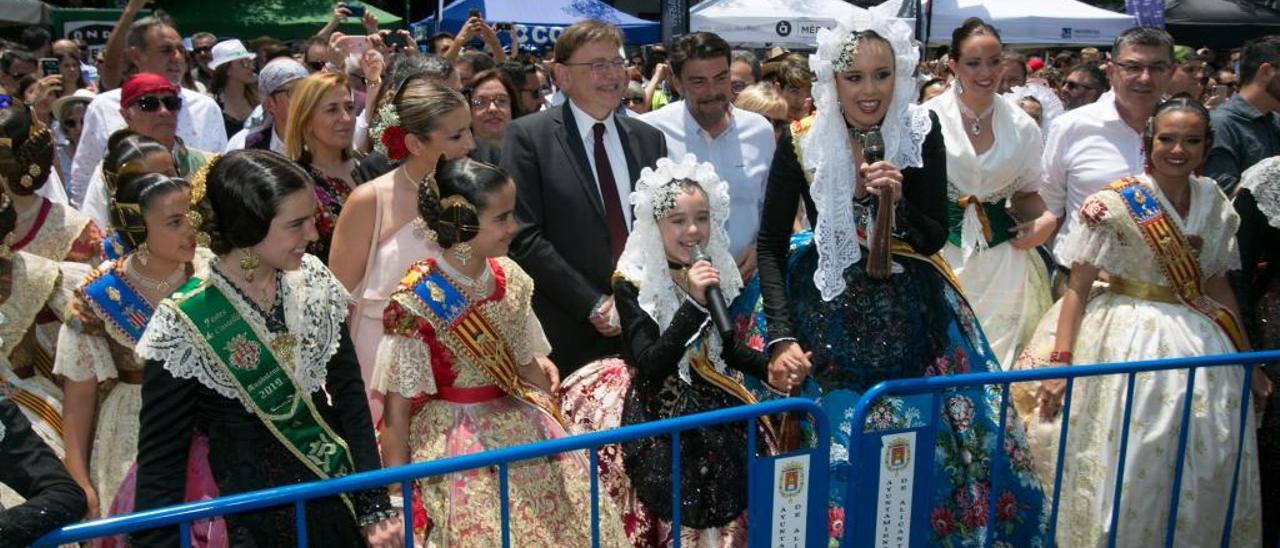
(184, 514)
(1003, 379)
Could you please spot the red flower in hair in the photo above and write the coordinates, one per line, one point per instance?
(393, 139)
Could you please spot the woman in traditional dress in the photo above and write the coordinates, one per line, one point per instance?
(1257, 201)
(253, 351)
(35, 473)
(322, 118)
(463, 367)
(106, 318)
(379, 234)
(993, 179)
(144, 155)
(824, 308)
(1164, 242)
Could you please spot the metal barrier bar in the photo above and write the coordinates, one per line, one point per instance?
(1235, 476)
(1065, 415)
(184, 534)
(1124, 450)
(998, 451)
(406, 512)
(505, 502)
(675, 489)
(1188, 398)
(183, 514)
(300, 521)
(595, 496)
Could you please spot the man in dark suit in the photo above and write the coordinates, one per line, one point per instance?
(575, 166)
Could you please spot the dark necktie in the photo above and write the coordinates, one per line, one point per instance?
(613, 216)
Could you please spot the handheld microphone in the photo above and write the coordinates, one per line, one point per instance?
(715, 298)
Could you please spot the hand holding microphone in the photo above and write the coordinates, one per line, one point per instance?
(704, 287)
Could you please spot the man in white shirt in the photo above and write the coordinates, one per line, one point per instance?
(275, 82)
(737, 142)
(154, 46)
(1096, 144)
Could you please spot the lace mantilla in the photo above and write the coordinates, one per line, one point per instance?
(826, 145)
(1262, 180)
(315, 307)
(644, 260)
(1050, 105)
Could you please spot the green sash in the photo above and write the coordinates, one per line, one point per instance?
(258, 374)
(996, 222)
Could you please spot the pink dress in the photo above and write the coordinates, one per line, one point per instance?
(384, 267)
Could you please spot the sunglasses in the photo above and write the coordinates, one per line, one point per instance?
(152, 103)
(202, 49)
(316, 66)
(70, 123)
(1072, 86)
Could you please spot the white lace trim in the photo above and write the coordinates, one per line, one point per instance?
(403, 366)
(644, 260)
(82, 357)
(1050, 105)
(1262, 180)
(826, 145)
(315, 307)
(533, 343)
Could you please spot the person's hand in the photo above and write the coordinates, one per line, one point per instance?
(701, 276)
(548, 375)
(881, 175)
(135, 5)
(388, 533)
(1036, 231)
(788, 366)
(340, 13)
(604, 319)
(371, 65)
(46, 89)
(747, 262)
(1050, 397)
(370, 22)
(469, 30)
(661, 72)
(91, 497)
(1261, 387)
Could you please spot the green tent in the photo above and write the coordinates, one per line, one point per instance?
(249, 19)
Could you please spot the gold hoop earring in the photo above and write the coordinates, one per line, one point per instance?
(249, 263)
(462, 252)
(143, 254)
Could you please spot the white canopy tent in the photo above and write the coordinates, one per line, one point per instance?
(1023, 22)
(24, 12)
(761, 23)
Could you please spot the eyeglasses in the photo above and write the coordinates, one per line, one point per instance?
(1134, 69)
(70, 123)
(634, 101)
(481, 103)
(151, 103)
(600, 68)
(201, 49)
(1072, 86)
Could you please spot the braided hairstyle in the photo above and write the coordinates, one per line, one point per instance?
(26, 150)
(452, 202)
(247, 186)
(126, 146)
(135, 193)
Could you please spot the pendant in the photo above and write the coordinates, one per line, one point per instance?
(976, 127)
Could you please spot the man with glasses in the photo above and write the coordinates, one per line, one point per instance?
(14, 64)
(1245, 127)
(275, 81)
(1084, 85)
(201, 55)
(154, 47)
(739, 143)
(1090, 147)
(744, 71)
(150, 105)
(574, 167)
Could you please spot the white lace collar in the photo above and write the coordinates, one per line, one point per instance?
(1262, 180)
(826, 147)
(315, 309)
(644, 260)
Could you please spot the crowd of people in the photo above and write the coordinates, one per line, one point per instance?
(229, 266)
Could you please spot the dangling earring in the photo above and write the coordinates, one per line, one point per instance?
(249, 263)
(462, 252)
(143, 254)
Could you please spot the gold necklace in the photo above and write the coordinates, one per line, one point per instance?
(162, 285)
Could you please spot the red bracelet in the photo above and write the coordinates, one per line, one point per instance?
(1060, 356)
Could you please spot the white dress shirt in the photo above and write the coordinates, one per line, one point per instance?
(741, 155)
(200, 126)
(612, 147)
(1088, 148)
(53, 190)
(237, 141)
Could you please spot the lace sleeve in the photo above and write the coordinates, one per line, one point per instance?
(403, 366)
(1219, 251)
(1095, 240)
(534, 343)
(168, 339)
(83, 357)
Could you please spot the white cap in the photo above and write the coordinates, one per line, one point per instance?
(228, 51)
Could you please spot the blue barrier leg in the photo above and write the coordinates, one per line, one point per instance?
(1062, 454)
(993, 475)
(675, 489)
(1124, 449)
(506, 505)
(406, 513)
(184, 534)
(300, 521)
(1235, 476)
(595, 497)
(1189, 396)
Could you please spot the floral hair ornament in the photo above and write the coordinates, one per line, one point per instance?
(199, 188)
(390, 135)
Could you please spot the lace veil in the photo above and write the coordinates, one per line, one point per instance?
(644, 261)
(1050, 105)
(825, 148)
(1262, 180)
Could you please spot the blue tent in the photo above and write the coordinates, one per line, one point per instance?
(538, 23)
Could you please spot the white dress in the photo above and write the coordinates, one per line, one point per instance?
(1123, 328)
(1008, 288)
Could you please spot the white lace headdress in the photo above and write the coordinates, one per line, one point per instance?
(826, 146)
(1050, 105)
(644, 260)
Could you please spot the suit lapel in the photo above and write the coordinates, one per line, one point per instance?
(575, 150)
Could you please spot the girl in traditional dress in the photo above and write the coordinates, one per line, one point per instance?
(107, 316)
(1164, 242)
(253, 351)
(463, 367)
(379, 234)
(35, 473)
(861, 329)
(144, 155)
(993, 180)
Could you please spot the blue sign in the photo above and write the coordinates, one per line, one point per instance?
(1149, 13)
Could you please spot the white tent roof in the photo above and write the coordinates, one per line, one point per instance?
(1040, 22)
(28, 12)
(790, 23)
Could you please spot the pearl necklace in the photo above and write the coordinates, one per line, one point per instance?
(975, 128)
(162, 285)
